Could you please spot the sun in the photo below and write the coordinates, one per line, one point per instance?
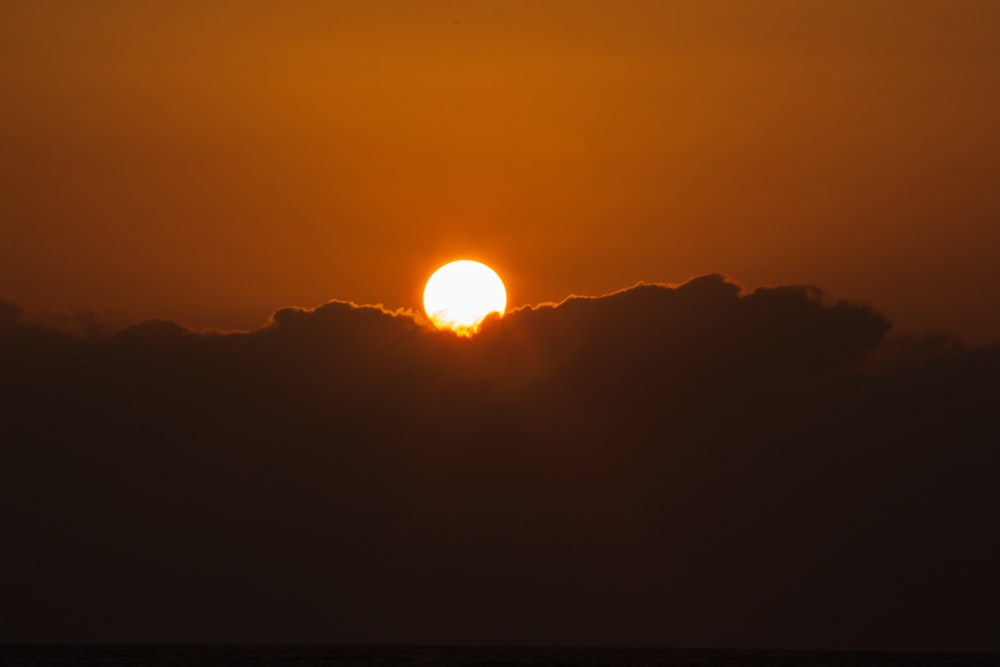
(460, 295)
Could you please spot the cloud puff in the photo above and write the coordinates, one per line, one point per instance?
(675, 465)
(9, 312)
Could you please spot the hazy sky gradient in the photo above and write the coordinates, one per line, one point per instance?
(211, 162)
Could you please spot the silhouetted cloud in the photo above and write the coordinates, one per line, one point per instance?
(677, 465)
(9, 312)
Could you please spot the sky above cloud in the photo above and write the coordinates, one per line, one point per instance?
(212, 162)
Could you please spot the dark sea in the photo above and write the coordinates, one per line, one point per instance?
(344, 656)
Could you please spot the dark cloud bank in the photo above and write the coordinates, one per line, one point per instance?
(679, 466)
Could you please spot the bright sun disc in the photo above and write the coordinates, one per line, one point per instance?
(461, 294)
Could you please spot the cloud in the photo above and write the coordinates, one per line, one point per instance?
(686, 465)
(9, 312)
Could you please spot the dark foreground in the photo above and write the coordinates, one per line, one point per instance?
(308, 656)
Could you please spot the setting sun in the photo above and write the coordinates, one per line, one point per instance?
(460, 295)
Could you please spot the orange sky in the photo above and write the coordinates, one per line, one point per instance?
(211, 162)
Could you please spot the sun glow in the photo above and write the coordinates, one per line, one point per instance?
(460, 295)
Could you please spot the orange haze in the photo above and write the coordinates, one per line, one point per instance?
(211, 162)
